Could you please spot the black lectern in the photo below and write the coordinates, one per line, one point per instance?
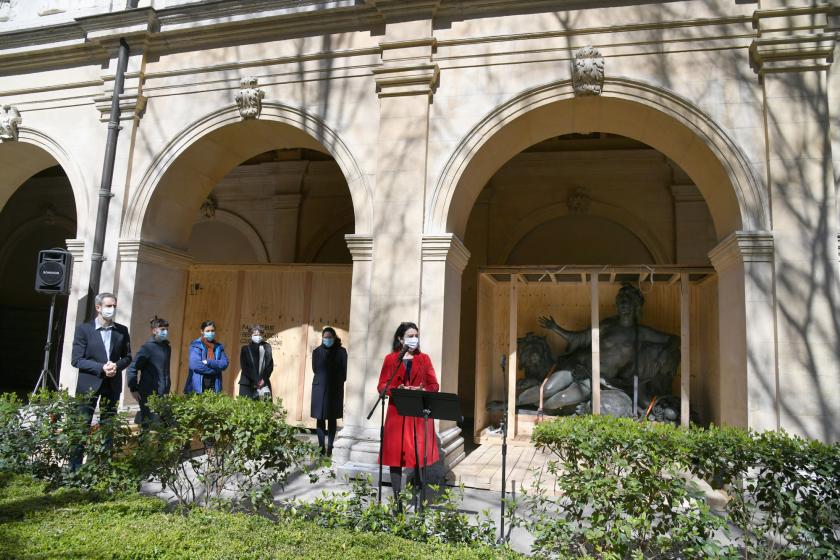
(429, 406)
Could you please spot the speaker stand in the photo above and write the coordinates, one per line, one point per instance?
(46, 374)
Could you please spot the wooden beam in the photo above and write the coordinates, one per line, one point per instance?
(596, 345)
(512, 325)
(673, 279)
(553, 277)
(612, 277)
(522, 278)
(685, 348)
(583, 278)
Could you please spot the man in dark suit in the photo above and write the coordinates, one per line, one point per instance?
(101, 351)
(149, 373)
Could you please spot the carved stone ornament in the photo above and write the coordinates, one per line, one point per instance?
(579, 201)
(5, 10)
(9, 121)
(588, 71)
(249, 99)
(208, 208)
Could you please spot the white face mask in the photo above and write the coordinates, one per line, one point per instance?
(108, 312)
(412, 342)
(256, 339)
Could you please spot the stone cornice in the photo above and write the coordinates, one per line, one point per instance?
(145, 252)
(420, 79)
(445, 247)
(131, 106)
(360, 246)
(743, 247)
(76, 247)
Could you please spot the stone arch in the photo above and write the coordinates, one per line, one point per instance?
(32, 153)
(643, 112)
(609, 212)
(208, 148)
(317, 243)
(244, 227)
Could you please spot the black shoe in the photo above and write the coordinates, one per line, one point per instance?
(329, 452)
(323, 451)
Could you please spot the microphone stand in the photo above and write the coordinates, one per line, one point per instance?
(381, 400)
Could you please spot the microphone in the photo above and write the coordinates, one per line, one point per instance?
(403, 352)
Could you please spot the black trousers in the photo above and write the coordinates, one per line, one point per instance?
(108, 400)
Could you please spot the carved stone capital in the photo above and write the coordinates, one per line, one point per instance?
(144, 252)
(249, 99)
(419, 79)
(445, 247)
(10, 119)
(743, 247)
(792, 39)
(588, 71)
(360, 246)
(76, 248)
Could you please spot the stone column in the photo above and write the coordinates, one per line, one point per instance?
(793, 54)
(694, 232)
(404, 83)
(749, 392)
(76, 301)
(358, 441)
(444, 260)
(152, 280)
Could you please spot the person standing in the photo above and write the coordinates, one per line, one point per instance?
(414, 371)
(207, 362)
(329, 364)
(101, 351)
(148, 374)
(257, 363)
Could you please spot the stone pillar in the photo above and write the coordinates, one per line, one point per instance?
(792, 54)
(76, 303)
(358, 440)
(694, 232)
(749, 392)
(404, 83)
(152, 280)
(444, 260)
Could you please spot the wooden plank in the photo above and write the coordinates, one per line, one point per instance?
(612, 277)
(674, 279)
(235, 368)
(512, 335)
(685, 349)
(304, 340)
(596, 345)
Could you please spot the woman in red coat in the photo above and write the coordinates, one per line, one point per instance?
(415, 372)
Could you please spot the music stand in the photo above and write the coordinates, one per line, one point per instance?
(426, 405)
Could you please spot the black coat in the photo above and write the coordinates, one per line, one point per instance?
(89, 355)
(249, 361)
(330, 368)
(152, 365)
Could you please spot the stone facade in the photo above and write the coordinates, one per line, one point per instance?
(426, 111)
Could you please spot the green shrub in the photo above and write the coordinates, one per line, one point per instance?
(41, 437)
(248, 449)
(620, 494)
(625, 490)
(80, 524)
(358, 510)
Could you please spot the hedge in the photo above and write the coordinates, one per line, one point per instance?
(72, 523)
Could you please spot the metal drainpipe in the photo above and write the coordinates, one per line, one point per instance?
(107, 177)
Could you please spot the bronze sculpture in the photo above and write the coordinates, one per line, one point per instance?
(627, 349)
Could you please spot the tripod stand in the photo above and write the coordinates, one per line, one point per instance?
(46, 373)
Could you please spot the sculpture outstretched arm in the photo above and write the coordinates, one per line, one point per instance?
(575, 339)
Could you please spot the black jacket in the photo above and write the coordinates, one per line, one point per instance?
(249, 361)
(89, 355)
(148, 374)
(330, 368)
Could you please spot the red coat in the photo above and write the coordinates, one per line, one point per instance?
(398, 443)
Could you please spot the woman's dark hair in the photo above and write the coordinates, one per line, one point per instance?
(397, 345)
(206, 324)
(258, 328)
(337, 342)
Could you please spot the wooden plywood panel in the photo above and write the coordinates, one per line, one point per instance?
(211, 295)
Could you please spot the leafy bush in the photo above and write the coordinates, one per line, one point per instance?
(621, 494)
(358, 510)
(248, 448)
(81, 524)
(626, 490)
(41, 437)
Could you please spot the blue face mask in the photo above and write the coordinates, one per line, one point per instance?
(163, 334)
(328, 342)
(209, 336)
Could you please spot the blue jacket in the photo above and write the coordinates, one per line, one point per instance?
(198, 370)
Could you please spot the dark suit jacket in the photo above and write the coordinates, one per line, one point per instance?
(89, 355)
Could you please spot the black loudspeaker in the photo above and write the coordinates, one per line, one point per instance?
(52, 275)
